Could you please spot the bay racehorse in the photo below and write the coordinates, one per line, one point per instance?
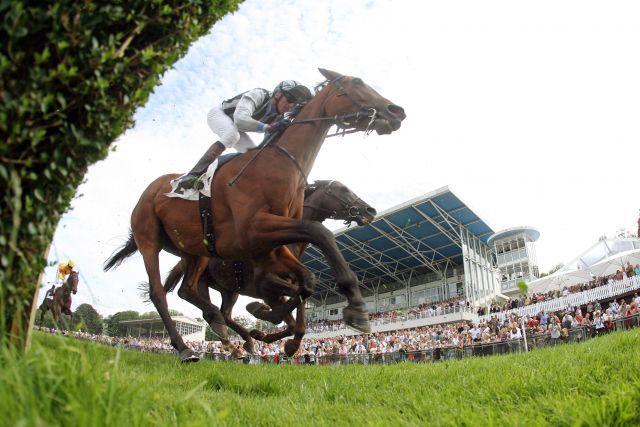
(323, 200)
(60, 303)
(257, 208)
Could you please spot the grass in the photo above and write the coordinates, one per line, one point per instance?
(66, 382)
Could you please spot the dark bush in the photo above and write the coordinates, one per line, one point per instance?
(72, 75)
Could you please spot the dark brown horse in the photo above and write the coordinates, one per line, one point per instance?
(323, 200)
(257, 206)
(60, 303)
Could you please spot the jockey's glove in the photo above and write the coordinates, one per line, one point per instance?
(279, 126)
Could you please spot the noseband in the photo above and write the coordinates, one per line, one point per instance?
(348, 209)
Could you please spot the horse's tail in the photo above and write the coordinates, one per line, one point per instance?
(123, 253)
(173, 277)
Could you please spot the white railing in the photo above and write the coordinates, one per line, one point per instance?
(607, 291)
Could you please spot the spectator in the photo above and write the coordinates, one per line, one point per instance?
(555, 330)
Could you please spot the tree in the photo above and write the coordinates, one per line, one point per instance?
(87, 318)
(553, 270)
(149, 315)
(73, 73)
(114, 328)
(245, 321)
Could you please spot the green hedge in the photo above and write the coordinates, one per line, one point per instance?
(72, 74)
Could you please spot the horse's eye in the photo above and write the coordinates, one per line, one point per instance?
(357, 81)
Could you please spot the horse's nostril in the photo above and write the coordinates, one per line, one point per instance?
(372, 211)
(397, 111)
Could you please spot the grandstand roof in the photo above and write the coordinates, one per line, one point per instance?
(419, 236)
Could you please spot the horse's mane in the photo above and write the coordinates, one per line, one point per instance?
(319, 86)
(311, 188)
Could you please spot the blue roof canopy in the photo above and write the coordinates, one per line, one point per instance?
(417, 237)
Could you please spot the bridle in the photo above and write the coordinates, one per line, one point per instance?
(347, 122)
(348, 208)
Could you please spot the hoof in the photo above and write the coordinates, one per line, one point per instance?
(248, 347)
(264, 312)
(357, 319)
(290, 347)
(220, 331)
(226, 345)
(257, 335)
(257, 307)
(187, 355)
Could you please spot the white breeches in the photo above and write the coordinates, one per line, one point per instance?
(223, 126)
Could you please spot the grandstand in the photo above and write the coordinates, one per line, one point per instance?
(515, 257)
(190, 329)
(435, 248)
(432, 248)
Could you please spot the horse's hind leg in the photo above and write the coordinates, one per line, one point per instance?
(158, 296)
(228, 301)
(43, 311)
(189, 291)
(292, 345)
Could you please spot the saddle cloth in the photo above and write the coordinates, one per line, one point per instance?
(206, 178)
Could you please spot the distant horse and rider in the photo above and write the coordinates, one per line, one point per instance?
(60, 301)
(257, 204)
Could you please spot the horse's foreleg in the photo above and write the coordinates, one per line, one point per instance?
(228, 301)
(189, 291)
(56, 314)
(288, 319)
(268, 230)
(273, 288)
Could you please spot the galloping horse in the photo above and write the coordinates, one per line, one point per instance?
(61, 301)
(257, 204)
(322, 200)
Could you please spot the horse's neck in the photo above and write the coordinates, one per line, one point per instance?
(304, 141)
(314, 214)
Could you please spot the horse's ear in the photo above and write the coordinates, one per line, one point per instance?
(329, 75)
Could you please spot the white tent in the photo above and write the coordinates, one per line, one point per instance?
(559, 280)
(616, 262)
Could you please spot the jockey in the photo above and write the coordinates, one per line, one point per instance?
(50, 292)
(252, 111)
(64, 269)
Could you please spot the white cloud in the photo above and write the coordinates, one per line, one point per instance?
(527, 110)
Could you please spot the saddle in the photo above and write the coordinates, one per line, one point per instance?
(203, 196)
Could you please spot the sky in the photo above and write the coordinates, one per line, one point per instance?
(528, 111)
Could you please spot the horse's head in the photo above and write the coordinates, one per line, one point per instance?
(72, 282)
(355, 105)
(332, 199)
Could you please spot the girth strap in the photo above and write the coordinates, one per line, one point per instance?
(238, 272)
(204, 203)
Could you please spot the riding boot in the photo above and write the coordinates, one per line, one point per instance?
(192, 178)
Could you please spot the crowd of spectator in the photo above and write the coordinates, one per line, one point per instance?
(429, 309)
(591, 320)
